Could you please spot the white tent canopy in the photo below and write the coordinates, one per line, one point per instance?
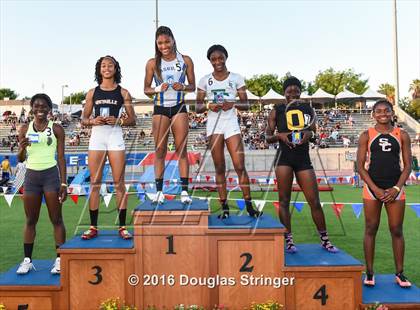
(322, 96)
(347, 95)
(305, 95)
(272, 95)
(370, 94)
(251, 96)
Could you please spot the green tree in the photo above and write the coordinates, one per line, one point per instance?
(415, 88)
(414, 109)
(8, 93)
(259, 85)
(334, 82)
(76, 98)
(388, 90)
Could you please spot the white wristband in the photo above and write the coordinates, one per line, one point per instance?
(158, 89)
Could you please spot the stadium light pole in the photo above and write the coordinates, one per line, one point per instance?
(157, 14)
(396, 71)
(62, 97)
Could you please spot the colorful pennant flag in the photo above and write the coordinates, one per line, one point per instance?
(416, 209)
(241, 204)
(169, 197)
(9, 199)
(337, 208)
(107, 199)
(357, 209)
(276, 205)
(298, 205)
(75, 198)
(259, 204)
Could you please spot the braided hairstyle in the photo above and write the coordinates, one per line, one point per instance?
(43, 97)
(162, 30)
(98, 76)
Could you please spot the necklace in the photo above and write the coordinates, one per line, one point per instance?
(38, 130)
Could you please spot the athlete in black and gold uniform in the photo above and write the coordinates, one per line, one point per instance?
(381, 147)
(293, 158)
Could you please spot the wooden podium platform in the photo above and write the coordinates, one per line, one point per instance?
(174, 247)
(249, 251)
(37, 290)
(387, 292)
(323, 280)
(95, 270)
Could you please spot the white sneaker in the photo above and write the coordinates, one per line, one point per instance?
(159, 198)
(185, 198)
(25, 266)
(56, 267)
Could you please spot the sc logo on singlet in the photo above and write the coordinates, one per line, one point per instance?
(384, 143)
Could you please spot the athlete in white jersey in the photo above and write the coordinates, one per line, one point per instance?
(169, 69)
(221, 88)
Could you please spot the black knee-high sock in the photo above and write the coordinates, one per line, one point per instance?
(27, 249)
(94, 217)
(159, 184)
(122, 216)
(184, 184)
(56, 247)
(225, 207)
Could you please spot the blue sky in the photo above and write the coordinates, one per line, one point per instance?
(45, 44)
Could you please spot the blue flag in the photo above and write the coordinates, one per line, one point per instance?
(357, 209)
(43, 200)
(111, 188)
(141, 196)
(298, 206)
(416, 209)
(241, 204)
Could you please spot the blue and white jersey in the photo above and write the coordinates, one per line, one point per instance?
(172, 72)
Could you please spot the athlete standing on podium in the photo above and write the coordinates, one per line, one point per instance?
(169, 69)
(221, 88)
(383, 144)
(105, 102)
(293, 158)
(40, 142)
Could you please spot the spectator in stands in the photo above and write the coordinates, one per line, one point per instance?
(294, 159)
(346, 142)
(169, 68)
(221, 88)
(6, 170)
(105, 103)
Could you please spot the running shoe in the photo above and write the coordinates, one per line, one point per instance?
(369, 280)
(56, 267)
(185, 198)
(124, 233)
(91, 233)
(159, 198)
(402, 281)
(25, 266)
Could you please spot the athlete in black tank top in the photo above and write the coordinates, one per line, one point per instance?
(384, 183)
(294, 158)
(107, 102)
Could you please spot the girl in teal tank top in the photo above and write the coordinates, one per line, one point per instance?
(40, 143)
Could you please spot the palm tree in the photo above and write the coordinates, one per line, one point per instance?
(388, 90)
(415, 88)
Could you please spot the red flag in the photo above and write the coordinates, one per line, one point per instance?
(276, 205)
(230, 180)
(275, 180)
(253, 181)
(170, 197)
(190, 180)
(340, 179)
(337, 208)
(318, 180)
(75, 198)
(21, 190)
(207, 178)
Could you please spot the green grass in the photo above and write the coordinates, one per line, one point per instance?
(12, 221)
